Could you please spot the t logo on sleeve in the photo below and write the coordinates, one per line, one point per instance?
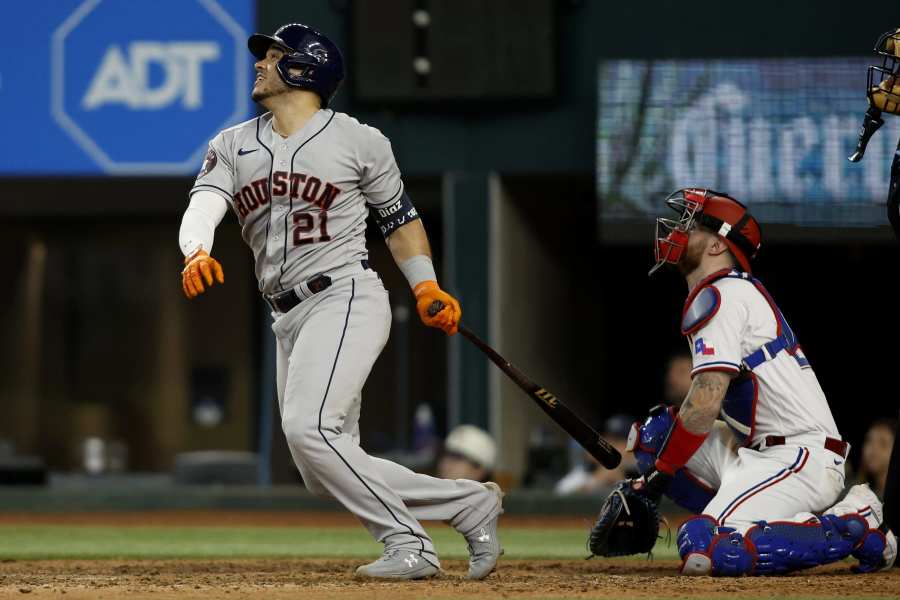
(701, 348)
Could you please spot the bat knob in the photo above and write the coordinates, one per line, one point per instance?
(436, 307)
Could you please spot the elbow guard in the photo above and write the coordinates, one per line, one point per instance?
(395, 215)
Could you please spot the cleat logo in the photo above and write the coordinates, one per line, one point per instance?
(484, 537)
(411, 560)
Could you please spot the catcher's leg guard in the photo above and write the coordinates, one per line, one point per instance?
(693, 539)
(706, 549)
(878, 548)
(875, 551)
(784, 547)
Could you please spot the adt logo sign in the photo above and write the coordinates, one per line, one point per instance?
(141, 87)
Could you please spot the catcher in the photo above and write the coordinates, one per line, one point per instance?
(763, 480)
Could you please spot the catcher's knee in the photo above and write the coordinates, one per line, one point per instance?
(707, 549)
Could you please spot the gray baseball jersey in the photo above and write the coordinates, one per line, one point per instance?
(302, 201)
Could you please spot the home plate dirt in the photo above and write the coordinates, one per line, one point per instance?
(315, 579)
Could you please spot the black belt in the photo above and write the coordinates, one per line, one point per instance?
(837, 446)
(283, 302)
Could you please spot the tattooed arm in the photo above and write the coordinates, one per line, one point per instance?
(704, 401)
(689, 431)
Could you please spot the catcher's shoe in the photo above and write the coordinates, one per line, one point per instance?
(862, 500)
(878, 549)
(484, 544)
(399, 563)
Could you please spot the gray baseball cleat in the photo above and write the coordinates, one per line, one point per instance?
(484, 543)
(399, 563)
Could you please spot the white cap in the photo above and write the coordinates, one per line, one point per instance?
(473, 443)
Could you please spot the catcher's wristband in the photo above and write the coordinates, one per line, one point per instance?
(678, 448)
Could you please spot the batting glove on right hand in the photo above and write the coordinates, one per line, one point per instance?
(200, 266)
(447, 318)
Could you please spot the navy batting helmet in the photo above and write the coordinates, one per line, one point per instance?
(318, 60)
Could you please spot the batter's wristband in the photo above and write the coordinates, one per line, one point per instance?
(678, 448)
(417, 269)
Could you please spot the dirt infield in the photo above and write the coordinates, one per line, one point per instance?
(313, 579)
(321, 579)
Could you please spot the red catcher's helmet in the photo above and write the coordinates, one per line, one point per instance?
(720, 213)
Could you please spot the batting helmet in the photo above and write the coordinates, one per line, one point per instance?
(318, 60)
(715, 211)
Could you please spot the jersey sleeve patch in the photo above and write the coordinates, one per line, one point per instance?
(209, 163)
(703, 308)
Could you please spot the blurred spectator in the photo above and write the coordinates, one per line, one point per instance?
(678, 378)
(469, 453)
(876, 454)
(587, 476)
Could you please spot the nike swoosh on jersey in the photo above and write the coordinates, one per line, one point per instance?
(242, 152)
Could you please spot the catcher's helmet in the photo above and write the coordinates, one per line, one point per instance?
(715, 211)
(319, 61)
(883, 88)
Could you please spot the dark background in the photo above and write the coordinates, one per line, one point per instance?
(834, 285)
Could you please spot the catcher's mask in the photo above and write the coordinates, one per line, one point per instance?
(717, 212)
(884, 79)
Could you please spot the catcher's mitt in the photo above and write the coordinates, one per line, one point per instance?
(628, 524)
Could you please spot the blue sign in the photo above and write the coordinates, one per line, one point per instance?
(121, 87)
(774, 133)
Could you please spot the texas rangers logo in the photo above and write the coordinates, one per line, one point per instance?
(701, 348)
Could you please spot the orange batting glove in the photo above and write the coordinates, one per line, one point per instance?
(197, 267)
(447, 318)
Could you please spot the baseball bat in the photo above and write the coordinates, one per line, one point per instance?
(561, 414)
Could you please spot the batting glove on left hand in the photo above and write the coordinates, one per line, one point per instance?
(200, 266)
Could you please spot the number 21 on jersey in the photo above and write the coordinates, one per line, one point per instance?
(305, 222)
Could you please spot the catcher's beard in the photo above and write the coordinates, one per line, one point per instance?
(690, 260)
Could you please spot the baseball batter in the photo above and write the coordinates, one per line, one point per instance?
(301, 180)
(766, 477)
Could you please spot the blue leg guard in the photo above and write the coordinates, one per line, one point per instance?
(693, 539)
(784, 547)
(706, 549)
(778, 547)
(870, 552)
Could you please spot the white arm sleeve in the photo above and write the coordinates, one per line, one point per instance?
(200, 220)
